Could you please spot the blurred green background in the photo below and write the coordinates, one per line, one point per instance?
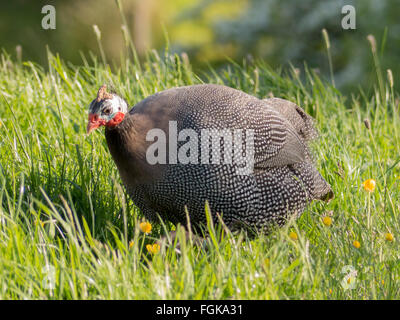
(279, 32)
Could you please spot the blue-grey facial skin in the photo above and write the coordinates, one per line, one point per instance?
(107, 109)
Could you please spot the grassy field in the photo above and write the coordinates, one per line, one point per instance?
(69, 231)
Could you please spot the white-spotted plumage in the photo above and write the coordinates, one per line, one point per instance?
(284, 179)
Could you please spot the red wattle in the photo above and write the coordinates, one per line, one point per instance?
(116, 120)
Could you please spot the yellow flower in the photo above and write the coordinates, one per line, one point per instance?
(153, 249)
(39, 222)
(351, 280)
(293, 235)
(356, 244)
(330, 291)
(145, 227)
(389, 237)
(131, 243)
(383, 281)
(369, 185)
(327, 221)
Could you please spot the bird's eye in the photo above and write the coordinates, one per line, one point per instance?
(107, 111)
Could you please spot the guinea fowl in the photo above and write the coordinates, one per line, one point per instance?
(258, 173)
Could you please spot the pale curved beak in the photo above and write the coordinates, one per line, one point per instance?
(94, 122)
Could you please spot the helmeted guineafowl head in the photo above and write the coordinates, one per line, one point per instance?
(108, 109)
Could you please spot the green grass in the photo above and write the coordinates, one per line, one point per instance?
(63, 207)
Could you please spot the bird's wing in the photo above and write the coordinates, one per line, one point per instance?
(298, 118)
(276, 142)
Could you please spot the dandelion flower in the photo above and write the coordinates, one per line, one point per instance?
(350, 280)
(389, 237)
(131, 243)
(327, 221)
(293, 235)
(153, 249)
(330, 291)
(369, 185)
(356, 244)
(41, 223)
(145, 227)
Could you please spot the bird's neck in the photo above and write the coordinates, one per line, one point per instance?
(127, 144)
(121, 140)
